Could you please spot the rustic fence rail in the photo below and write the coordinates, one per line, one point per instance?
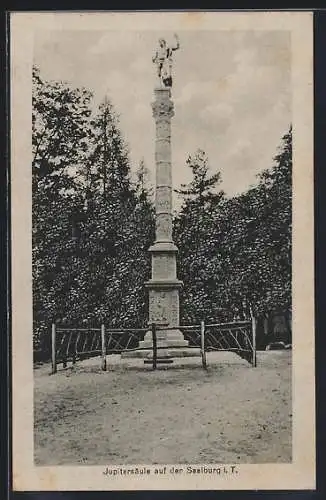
(72, 344)
(237, 337)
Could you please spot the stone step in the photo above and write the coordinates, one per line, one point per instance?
(169, 352)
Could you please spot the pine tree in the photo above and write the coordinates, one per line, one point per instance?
(108, 158)
(235, 252)
(60, 130)
(257, 239)
(198, 240)
(91, 226)
(59, 140)
(201, 189)
(144, 187)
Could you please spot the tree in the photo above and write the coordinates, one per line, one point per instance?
(59, 133)
(113, 251)
(201, 190)
(59, 140)
(256, 264)
(235, 252)
(144, 187)
(108, 155)
(91, 226)
(197, 237)
(117, 230)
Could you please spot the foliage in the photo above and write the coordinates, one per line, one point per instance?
(201, 191)
(60, 129)
(91, 226)
(258, 239)
(197, 237)
(236, 252)
(108, 163)
(144, 187)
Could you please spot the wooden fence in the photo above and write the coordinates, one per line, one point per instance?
(72, 344)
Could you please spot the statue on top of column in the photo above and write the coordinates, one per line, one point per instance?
(163, 60)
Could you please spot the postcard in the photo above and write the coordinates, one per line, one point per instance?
(162, 250)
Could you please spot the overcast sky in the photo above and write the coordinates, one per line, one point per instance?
(232, 92)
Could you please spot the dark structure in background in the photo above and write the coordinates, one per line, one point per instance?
(274, 327)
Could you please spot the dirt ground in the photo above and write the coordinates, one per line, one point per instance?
(231, 413)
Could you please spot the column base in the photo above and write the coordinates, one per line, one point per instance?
(171, 345)
(163, 355)
(165, 338)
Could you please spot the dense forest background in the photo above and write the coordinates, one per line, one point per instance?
(93, 221)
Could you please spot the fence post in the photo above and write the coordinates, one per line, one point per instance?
(253, 324)
(74, 355)
(53, 349)
(202, 344)
(103, 348)
(64, 360)
(154, 346)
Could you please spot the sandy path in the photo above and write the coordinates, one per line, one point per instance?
(230, 414)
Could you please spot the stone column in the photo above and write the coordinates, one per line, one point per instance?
(163, 287)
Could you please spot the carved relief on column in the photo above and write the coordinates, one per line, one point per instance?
(164, 266)
(163, 130)
(158, 307)
(163, 152)
(174, 308)
(164, 307)
(162, 107)
(163, 174)
(163, 227)
(163, 200)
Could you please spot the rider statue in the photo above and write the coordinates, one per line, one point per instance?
(163, 60)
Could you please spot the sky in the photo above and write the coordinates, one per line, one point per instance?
(231, 92)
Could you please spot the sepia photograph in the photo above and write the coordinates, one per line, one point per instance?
(162, 250)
